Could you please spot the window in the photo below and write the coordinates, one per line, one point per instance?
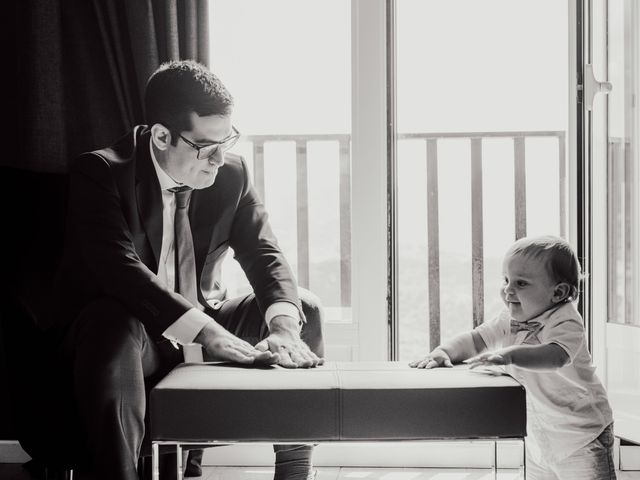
(482, 120)
(622, 354)
(475, 80)
(312, 110)
(289, 69)
(623, 160)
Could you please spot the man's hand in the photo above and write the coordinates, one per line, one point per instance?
(285, 343)
(437, 358)
(220, 344)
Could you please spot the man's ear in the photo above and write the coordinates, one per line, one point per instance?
(160, 136)
(561, 292)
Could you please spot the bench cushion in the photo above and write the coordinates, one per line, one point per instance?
(360, 401)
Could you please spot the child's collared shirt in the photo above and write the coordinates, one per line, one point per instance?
(567, 408)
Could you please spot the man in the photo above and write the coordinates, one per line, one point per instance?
(150, 219)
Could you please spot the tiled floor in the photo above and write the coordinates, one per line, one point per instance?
(15, 472)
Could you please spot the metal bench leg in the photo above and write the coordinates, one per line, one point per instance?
(524, 459)
(155, 462)
(495, 460)
(64, 474)
(179, 461)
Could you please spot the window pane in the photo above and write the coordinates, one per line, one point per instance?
(623, 156)
(291, 82)
(483, 110)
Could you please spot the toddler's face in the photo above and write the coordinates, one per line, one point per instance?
(528, 290)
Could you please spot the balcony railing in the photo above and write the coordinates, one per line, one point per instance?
(302, 200)
(520, 205)
(431, 141)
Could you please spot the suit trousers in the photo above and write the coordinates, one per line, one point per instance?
(112, 363)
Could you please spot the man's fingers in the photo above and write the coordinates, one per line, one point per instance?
(235, 356)
(293, 352)
(265, 358)
(245, 349)
(301, 358)
(306, 358)
(315, 359)
(285, 358)
(240, 354)
(237, 350)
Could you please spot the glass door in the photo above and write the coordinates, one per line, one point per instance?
(623, 205)
(309, 83)
(484, 152)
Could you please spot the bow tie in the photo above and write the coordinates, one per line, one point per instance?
(528, 326)
(179, 189)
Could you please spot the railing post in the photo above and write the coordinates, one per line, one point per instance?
(563, 185)
(302, 197)
(520, 185)
(477, 256)
(345, 224)
(433, 239)
(613, 227)
(258, 168)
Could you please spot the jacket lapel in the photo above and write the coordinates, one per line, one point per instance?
(148, 194)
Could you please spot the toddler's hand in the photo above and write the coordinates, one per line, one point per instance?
(486, 359)
(437, 358)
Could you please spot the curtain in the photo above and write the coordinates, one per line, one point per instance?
(82, 67)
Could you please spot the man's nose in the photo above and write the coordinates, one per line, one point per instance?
(217, 159)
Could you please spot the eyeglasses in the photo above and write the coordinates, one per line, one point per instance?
(209, 150)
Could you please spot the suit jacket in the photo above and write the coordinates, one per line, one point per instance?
(114, 237)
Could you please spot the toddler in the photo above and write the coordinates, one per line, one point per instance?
(540, 340)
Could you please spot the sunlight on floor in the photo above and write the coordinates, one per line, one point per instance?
(335, 473)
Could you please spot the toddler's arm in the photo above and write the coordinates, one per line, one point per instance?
(454, 350)
(548, 356)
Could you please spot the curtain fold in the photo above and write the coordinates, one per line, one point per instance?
(83, 66)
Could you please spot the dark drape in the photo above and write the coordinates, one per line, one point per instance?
(78, 78)
(82, 67)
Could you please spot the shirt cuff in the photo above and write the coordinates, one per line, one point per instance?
(185, 329)
(282, 308)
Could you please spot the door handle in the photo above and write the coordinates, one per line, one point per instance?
(591, 87)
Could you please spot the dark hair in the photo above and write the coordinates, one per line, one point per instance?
(560, 259)
(178, 88)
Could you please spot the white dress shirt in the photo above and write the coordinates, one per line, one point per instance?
(567, 408)
(185, 329)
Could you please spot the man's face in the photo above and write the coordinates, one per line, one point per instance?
(182, 163)
(528, 289)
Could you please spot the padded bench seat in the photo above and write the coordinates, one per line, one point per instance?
(343, 401)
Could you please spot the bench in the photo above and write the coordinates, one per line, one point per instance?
(215, 403)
